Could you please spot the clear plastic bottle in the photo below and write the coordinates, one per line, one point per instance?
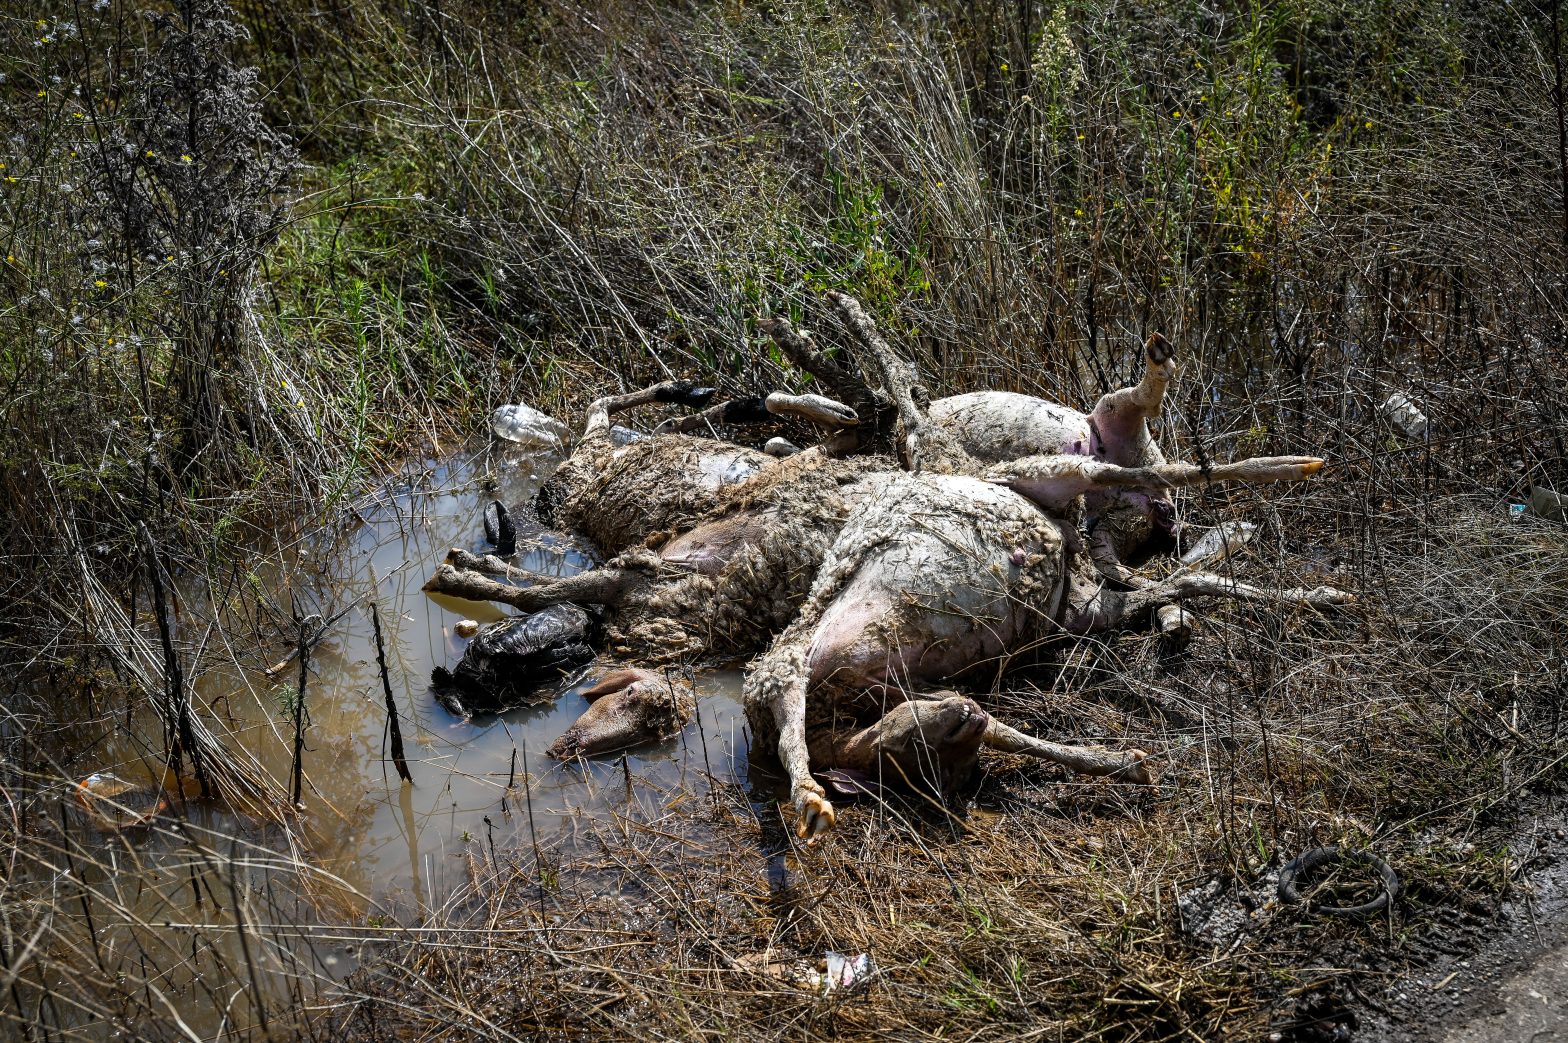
(528, 427)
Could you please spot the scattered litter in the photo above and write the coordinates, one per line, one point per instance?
(1546, 504)
(1515, 511)
(528, 427)
(114, 804)
(620, 436)
(780, 447)
(1219, 543)
(846, 973)
(465, 627)
(1406, 415)
(840, 974)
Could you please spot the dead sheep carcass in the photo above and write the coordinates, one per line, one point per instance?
(616, 496)
(940, 573)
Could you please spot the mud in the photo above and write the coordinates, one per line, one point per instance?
(1500, 977)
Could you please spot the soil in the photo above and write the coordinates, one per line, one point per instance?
(1504, 980)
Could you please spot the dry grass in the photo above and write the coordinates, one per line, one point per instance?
(1320, 203)
(1043, 906)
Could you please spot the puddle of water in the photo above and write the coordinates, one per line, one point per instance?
(369, 829)
(398, 846)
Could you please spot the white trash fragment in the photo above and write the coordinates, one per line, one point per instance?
(780, 447)
(1219, 543)
(846, 972)
(526, 426)
(1406, 415)
(842, 973)
(620, 436)
(466, 627)
(1546, 504)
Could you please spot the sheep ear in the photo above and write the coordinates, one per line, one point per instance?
(614, 682)
(848, 782)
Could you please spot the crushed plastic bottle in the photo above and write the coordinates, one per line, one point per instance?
(780, 447)
(1547, 503)
(112, 804)
(528, 427)
(1219, 543)
(1406, 415)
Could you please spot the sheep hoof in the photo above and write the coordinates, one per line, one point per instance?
(1159, 349)
(816, 816)
(1137, 768)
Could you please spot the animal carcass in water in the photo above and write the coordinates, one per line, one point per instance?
(510, 662)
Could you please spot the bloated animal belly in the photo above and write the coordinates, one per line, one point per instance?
(953, 572)
(1000, 425)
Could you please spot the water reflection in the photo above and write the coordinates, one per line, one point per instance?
(388, 839)
(224, 913)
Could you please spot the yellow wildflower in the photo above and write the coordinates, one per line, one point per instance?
(99, 283)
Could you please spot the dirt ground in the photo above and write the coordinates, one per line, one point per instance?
(1503, 981)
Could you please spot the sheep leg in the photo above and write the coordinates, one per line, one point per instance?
(606, 586)
(1174, 622)
(824, 412)
(1102, 551)
(925, 446)
(1087, 760)
(1209, 584)
(491, 565)
(778, 684)
(870, 404)
(1120, 419)
(1055, 481)
(680, 392)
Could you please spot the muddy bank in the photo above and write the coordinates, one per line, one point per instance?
(1501, 977)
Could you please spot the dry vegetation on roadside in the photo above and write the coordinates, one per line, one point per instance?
(230, 299)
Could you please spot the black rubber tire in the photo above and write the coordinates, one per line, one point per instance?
(1316, 858)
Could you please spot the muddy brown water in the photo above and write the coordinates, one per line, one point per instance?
(381, 852)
